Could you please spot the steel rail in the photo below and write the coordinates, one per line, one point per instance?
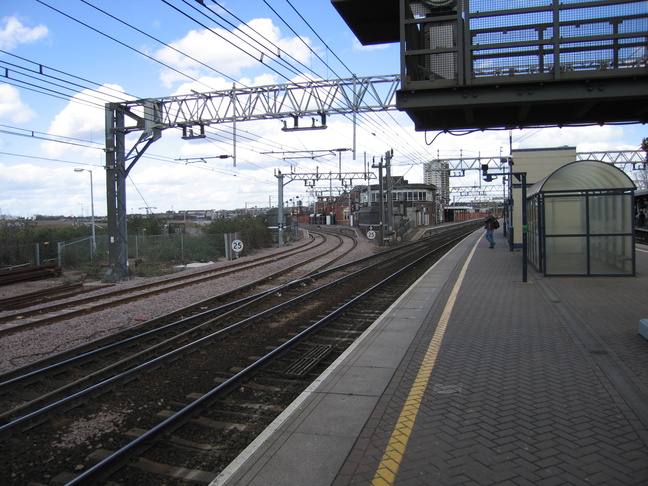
(220, 313)
(30, 371)
(33, 418)
(39, 296)
(123, 456)
(155, 286)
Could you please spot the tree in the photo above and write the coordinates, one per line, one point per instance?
(138, 224)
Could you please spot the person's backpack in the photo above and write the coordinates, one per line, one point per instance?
(495, 224)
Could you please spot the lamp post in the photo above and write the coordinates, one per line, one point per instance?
(94, 239)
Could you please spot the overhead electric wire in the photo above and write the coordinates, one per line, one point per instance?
(121, 43)
(49, 92)
(321, 40)
(158, 40)
(49, 159)
(299, 37)
(222, 37)
(27, 86)
(124, 44)
(56, 85)
(364, 116)
(41, 71)
(247, 27)
(84, 145)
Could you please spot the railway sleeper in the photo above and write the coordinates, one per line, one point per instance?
(251, 385)
(205, 422)
(166, 470)
(229, 415)
(181, 443)
(270, 409)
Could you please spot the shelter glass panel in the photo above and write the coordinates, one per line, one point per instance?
(609, 214)
(607, 255)
(565, 215)
(533, 221)
(566, 255)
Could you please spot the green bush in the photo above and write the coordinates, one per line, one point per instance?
(252, 230)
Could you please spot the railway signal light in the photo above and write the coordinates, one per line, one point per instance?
(485, 175)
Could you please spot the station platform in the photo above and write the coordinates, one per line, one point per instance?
(476, 377)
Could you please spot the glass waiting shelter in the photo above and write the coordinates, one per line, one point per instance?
(580, 221)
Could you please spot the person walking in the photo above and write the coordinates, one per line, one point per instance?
(490, 225)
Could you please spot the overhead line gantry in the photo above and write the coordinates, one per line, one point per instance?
(193, 112)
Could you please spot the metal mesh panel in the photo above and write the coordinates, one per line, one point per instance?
(593, 37)
(525, 37)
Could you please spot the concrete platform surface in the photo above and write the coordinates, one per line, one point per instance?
(476, 377)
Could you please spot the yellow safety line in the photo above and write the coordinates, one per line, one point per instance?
(386, 473)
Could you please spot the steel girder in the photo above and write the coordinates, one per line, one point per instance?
(151, 116)
(311, 98)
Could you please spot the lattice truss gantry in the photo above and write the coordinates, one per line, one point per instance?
(193, 112)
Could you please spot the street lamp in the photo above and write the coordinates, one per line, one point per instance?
(94, 239)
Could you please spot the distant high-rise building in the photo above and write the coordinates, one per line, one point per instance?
(437, 172)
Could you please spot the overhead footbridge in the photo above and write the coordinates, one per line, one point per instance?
(480, 64)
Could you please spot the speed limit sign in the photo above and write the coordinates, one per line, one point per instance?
(371, 234)
(237, 246)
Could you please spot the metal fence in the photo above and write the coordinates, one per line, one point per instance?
(171, 249)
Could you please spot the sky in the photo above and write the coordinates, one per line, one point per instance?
(62, 60)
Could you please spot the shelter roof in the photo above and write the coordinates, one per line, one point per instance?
(585, 175)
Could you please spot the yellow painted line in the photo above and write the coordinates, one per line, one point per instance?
(388, 468)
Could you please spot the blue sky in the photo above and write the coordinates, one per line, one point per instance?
(62, 59)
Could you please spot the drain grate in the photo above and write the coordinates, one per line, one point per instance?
(303, 365)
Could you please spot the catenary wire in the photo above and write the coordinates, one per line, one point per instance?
(124, 44)
(159, 41)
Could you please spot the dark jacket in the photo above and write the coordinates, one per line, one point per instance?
(489, 222)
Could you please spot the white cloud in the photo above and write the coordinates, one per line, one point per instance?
(586, 139)
(11, 107)
(81, 120)
(30, 189)
(13, 33)
(230, 53)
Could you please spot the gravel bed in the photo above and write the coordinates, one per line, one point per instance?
(34, 344)
(75, 276)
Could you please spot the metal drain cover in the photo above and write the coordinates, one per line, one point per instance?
(303, 365)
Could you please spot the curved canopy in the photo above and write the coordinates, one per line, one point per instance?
(586, 175)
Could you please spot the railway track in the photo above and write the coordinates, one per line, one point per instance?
(210, 365)
(44, 295)
(25, 274)
(59, 311)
